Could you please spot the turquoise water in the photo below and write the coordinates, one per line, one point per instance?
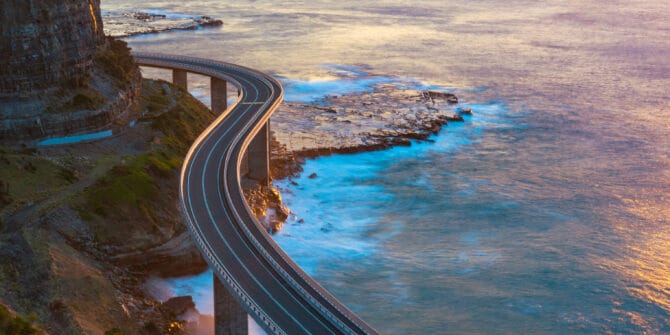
(546, 212)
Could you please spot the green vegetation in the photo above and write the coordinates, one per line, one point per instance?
(127, 184)
(84, 99)
(126, 195)
(25, 177)
(181, 121)
(131, 188)
(114, 331)
(117, 61)
(67, 175)
(14, 324)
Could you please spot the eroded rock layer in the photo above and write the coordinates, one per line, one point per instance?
(47, 43)
(59, 74)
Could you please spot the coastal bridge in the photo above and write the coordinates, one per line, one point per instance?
(252, 275)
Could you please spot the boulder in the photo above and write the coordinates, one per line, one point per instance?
(208, 21)
(177, 306)
(449, 97)
(465, 111)
(456, 118)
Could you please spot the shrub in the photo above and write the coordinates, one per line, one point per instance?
(114, 331)
(67, 174)
(85, 99)
(15, 325)
(117, 61)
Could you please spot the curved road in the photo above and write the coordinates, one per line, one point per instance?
(270, 286)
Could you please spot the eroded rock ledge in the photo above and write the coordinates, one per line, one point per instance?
(60, 75)
(83, 226)
(126, 24)
(387, 116)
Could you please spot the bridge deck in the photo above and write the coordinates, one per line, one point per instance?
(269, 285)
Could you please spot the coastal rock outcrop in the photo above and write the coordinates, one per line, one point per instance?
(465, 111)
(123, 24)
(46, 44)
(449, 97)
(83, 226)
(387, 116)
(60, 75)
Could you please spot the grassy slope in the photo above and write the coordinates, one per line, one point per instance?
(124, 201)
(131, 189)
(26, 178)
(12, 324)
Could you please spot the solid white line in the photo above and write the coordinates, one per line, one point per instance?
(215, 69)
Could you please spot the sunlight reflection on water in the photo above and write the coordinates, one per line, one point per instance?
(548, 215)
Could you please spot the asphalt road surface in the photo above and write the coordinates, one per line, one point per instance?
(270, 286)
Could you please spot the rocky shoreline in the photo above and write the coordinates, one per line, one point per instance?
(80, 240)
(387, 116)
(88, 243)
(127, 24)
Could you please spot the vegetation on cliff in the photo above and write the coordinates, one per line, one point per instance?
(25, 178)
(84, 225)
(63, 75)
(131, 189)
(15, 324)
(115, 60)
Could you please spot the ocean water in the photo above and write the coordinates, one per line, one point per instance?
(546, 212)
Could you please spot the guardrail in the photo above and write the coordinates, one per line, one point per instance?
(343, 320)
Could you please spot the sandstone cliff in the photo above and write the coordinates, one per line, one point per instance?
(56, 77)
(83, 226)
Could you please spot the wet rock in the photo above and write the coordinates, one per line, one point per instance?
(449, 97)
(387, 116)
(400, 141)
(436, 126)
(207, 21)
(465, 111)
(147, 16)
(136, 23)
(312, 176)
(456, 118)
(177, 306)
(282, 212)
(326, 109)
(178, 256)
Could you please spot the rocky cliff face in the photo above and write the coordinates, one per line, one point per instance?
(53, 78)
(47, 43)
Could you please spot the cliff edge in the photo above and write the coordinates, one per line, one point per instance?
(59, 74)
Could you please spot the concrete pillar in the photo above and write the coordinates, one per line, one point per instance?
(219, 95)
(229, 316)
(259, 156)
(179, 78)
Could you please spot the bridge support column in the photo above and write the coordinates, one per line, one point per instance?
(179, 78)
(259, 156)
(229, 316)
(219, 94)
